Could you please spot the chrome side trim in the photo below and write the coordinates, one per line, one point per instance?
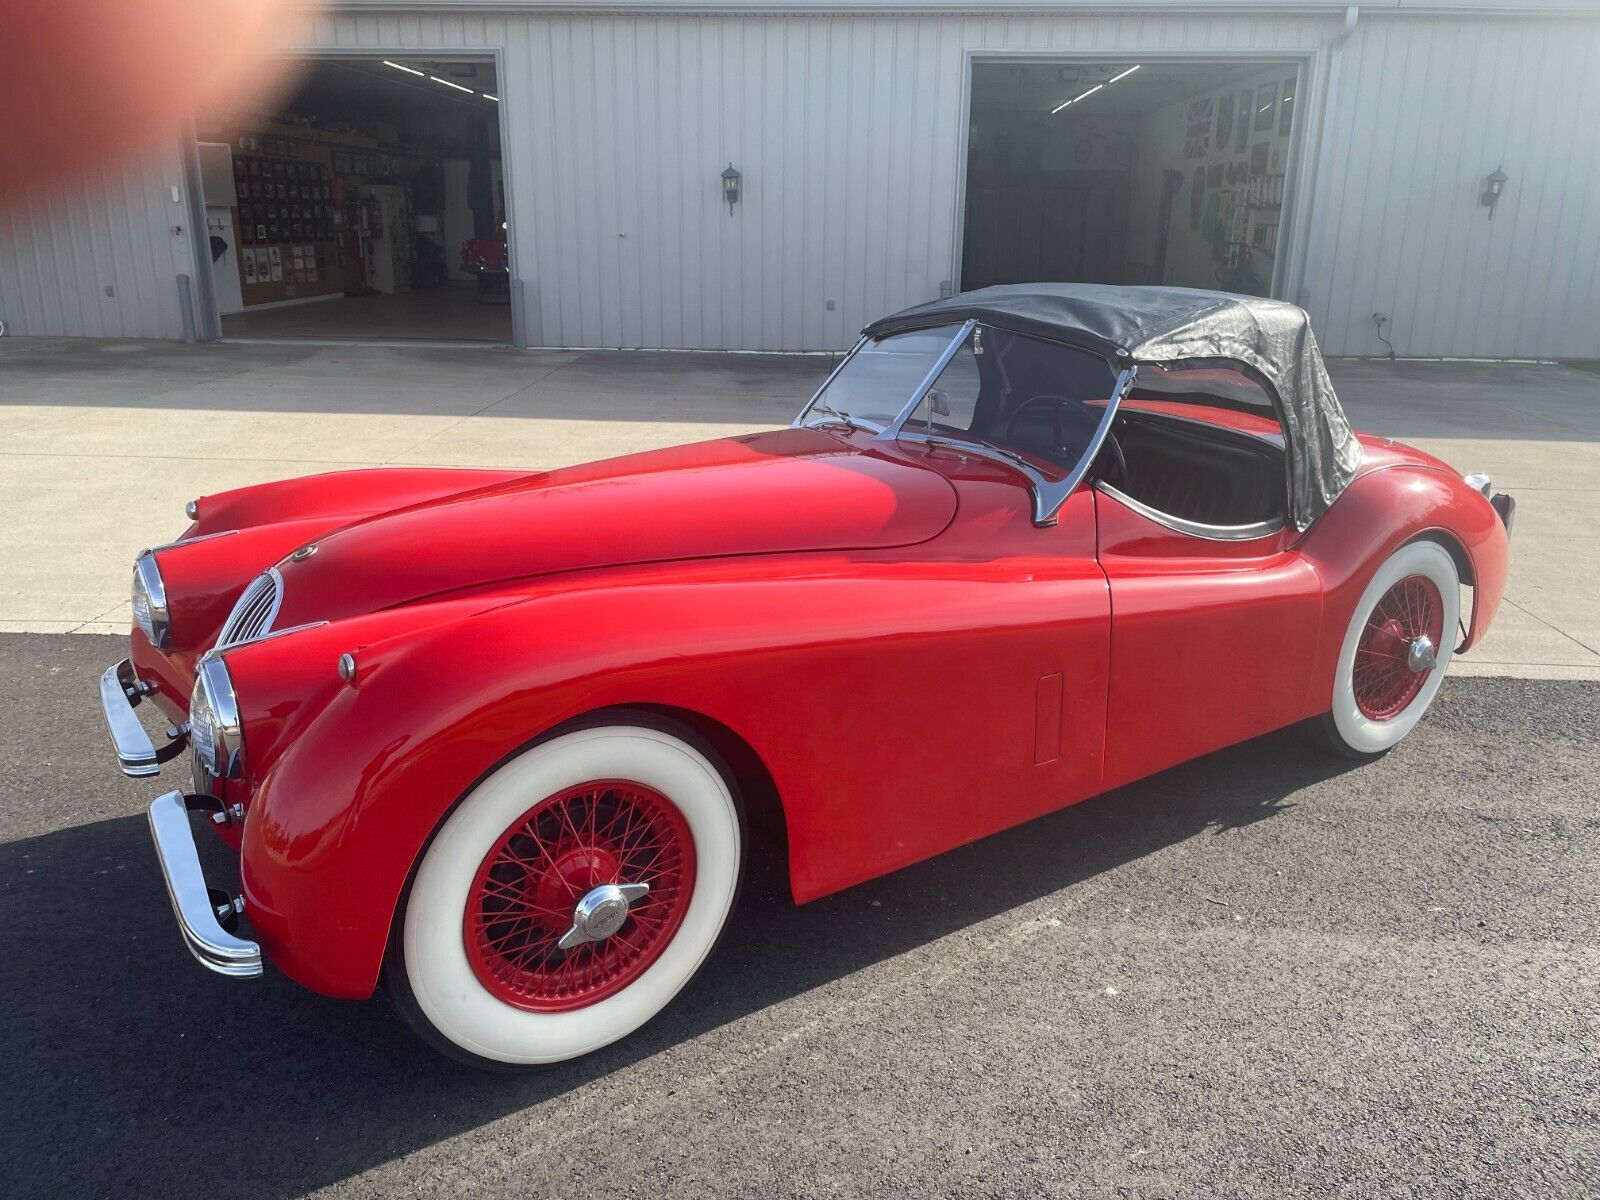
(214, 947)
(1213, 533)
(135, 753)
(1481, 483)
(203, 537)
(892, 431)
(276, 633)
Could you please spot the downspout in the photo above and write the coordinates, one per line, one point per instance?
(1352, 15)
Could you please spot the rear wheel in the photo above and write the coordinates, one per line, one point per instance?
(569, 897)
(1395, 651)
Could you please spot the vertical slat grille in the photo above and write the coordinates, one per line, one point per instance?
(253, 614)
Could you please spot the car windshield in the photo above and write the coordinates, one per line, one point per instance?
(878, 380)
(1007, 391)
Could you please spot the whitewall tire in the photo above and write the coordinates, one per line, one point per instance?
(515, 946)
(1395, 650)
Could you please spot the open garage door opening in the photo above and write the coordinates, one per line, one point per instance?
(1128, 172)
(367, 203)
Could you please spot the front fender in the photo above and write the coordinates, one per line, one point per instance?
(806, 668)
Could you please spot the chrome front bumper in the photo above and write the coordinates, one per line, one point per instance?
(200, 909)
(120, 693)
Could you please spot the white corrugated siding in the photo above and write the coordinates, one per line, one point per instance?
(846, 129)
(110, 226)
(1420, 111)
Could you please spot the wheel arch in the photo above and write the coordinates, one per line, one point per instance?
(755, 789)
(755, 794)
(1465, 572)
(708, 738)
(1386, 508)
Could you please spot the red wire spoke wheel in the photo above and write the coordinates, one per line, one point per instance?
(1386, 678)
(526, 896)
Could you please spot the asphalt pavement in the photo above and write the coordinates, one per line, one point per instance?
(1264, 974)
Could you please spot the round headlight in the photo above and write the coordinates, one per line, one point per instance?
(150, 601)
(216, 741)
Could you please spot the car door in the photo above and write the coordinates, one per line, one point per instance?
(1210, 637)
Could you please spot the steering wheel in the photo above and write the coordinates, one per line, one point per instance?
(1115, 447)
(1059, 433)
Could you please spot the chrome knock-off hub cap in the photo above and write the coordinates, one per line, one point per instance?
(601, 912)
(579, 896)
(1421, 655)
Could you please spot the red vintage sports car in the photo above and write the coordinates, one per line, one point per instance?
(494, 737)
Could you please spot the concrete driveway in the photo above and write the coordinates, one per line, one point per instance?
(102, 442)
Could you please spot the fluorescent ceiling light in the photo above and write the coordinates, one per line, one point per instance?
(400, 67)
(1075, 99)
(1096, 88)
(457, 86)
(487, 96)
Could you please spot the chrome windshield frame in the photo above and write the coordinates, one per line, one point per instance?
(800, 419)
(1048, 494)
(932, 377)
(887, 433)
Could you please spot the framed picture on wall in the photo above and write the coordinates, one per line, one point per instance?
(1258, 160)
(1266, 103)
(1224, 121)
(1286, 108)
(1241, 124)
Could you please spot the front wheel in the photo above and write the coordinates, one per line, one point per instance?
(569, 897)
(1395, 651)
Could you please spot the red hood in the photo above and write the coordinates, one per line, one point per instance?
(792, 490)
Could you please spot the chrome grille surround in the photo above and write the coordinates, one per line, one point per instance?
(256, 609)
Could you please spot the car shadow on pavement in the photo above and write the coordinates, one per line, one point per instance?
(132, 1070)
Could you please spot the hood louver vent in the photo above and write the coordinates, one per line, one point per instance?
(253, 615)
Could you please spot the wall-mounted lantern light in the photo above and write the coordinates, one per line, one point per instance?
(730, 187)
(1493, 187)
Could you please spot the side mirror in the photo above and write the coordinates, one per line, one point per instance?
(938, 403)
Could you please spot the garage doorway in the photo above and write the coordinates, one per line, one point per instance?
(1128, 172)
(368, 202)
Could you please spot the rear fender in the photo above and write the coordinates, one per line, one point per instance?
(1377, 514)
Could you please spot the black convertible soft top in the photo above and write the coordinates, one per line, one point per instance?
(1167, 326)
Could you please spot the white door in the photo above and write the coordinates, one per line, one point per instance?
(224, 258)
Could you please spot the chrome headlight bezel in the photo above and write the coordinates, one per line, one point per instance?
(216, 737)
(150, 611)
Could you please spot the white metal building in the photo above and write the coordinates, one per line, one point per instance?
(857, 127)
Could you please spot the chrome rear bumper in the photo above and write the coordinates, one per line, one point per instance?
(199, 909)
(120, 693)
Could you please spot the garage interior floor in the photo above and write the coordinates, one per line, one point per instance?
(451, 313)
